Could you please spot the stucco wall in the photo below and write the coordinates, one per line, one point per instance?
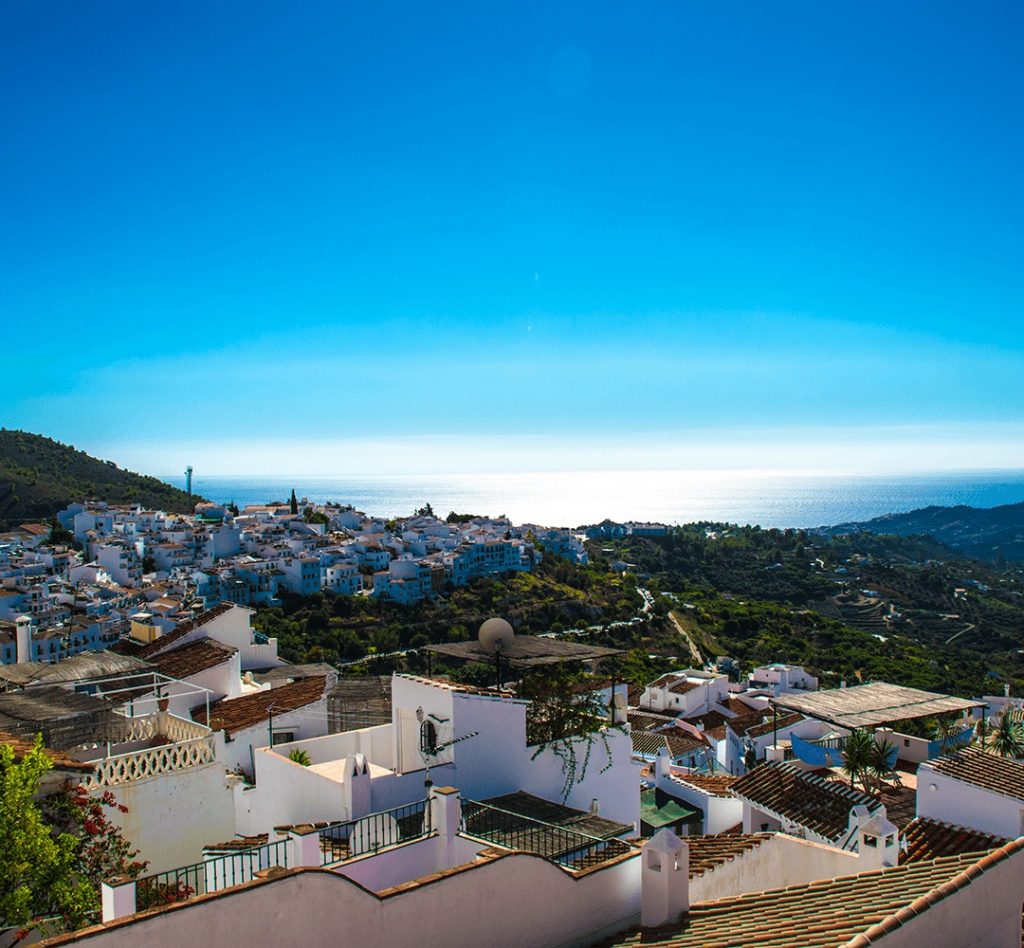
(967, 805)
(171, 817)
(287, 792)
(405, 863)
(779, 861)
(519, 900)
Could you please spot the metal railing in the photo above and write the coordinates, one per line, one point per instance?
(212, 875)
(373, 832)
(566, 847)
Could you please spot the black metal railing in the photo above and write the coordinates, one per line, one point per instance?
(220, 872)
(559, 844)
(374, 832)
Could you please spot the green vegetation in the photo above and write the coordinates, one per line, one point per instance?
(758, 596)
(54, 852)
(300, 757)
(934, 620)
(558, 596)
(39, 477)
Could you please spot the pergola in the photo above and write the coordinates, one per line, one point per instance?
(523, 652)
(872, 705)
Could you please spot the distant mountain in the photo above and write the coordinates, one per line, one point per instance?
(39, 476)
(982, 533)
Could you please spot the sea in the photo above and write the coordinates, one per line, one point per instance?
(571, 499)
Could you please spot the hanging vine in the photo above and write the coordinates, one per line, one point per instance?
(569, 718)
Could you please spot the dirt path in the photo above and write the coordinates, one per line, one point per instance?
(694, 651)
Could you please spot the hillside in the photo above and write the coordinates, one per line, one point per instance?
(39, 476)
(971, 531)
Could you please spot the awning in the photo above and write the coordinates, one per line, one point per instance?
(865, 706)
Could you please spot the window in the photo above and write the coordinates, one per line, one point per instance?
(282, 737)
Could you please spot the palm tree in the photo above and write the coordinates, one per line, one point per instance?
(857, 754)
(1007, 738)
(881, 764)
(947, 729)
(300, 756)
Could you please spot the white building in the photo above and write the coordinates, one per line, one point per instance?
(976, 789)
(687, 693)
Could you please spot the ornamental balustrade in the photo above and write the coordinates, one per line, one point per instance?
(151, 762)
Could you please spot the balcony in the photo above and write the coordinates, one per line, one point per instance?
(173, 744)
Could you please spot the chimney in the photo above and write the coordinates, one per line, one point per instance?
(775, 753)
(662, 765)
(23, 627)
(664, 880)
(878, 843)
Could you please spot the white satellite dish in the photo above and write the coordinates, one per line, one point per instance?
(620, 701)
(496, 635)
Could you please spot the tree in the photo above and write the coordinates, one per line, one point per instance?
(881, 765)
(293, 503)
(300, 757)
(857, 754)
(38, 866)
(1007, 738)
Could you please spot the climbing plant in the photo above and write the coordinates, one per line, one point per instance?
(568, 717)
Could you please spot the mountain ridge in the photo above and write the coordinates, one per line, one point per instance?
(986, 533)
(40, 476)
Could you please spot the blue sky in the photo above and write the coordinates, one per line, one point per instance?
(349, 237)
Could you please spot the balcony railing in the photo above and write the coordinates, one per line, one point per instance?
(220, 872)
(151, 762)
(559, 844)
(376, 831)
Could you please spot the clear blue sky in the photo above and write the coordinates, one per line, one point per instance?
(562, 228)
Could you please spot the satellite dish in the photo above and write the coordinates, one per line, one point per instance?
(620, 701)
(496, 635)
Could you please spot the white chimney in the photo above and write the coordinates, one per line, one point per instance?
(662, 765)
(664, 880)
(23, 626)
(878, 843)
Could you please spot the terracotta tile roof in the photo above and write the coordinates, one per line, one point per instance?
(925, 839)
(713, 722)
(190, 659)
(714, 785)
(241, 843)
(682, 687)
(856, 911)
(160, 645)
(647, 720)
(706, 852)
(981, 769)
(649, 743)
(821, 805)
(768, 726)
(61, 761)
(236, 714)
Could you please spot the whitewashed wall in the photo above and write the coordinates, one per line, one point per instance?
(171, 817)
(967, 805)
(519, 900)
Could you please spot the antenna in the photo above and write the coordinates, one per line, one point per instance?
(436, 736)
